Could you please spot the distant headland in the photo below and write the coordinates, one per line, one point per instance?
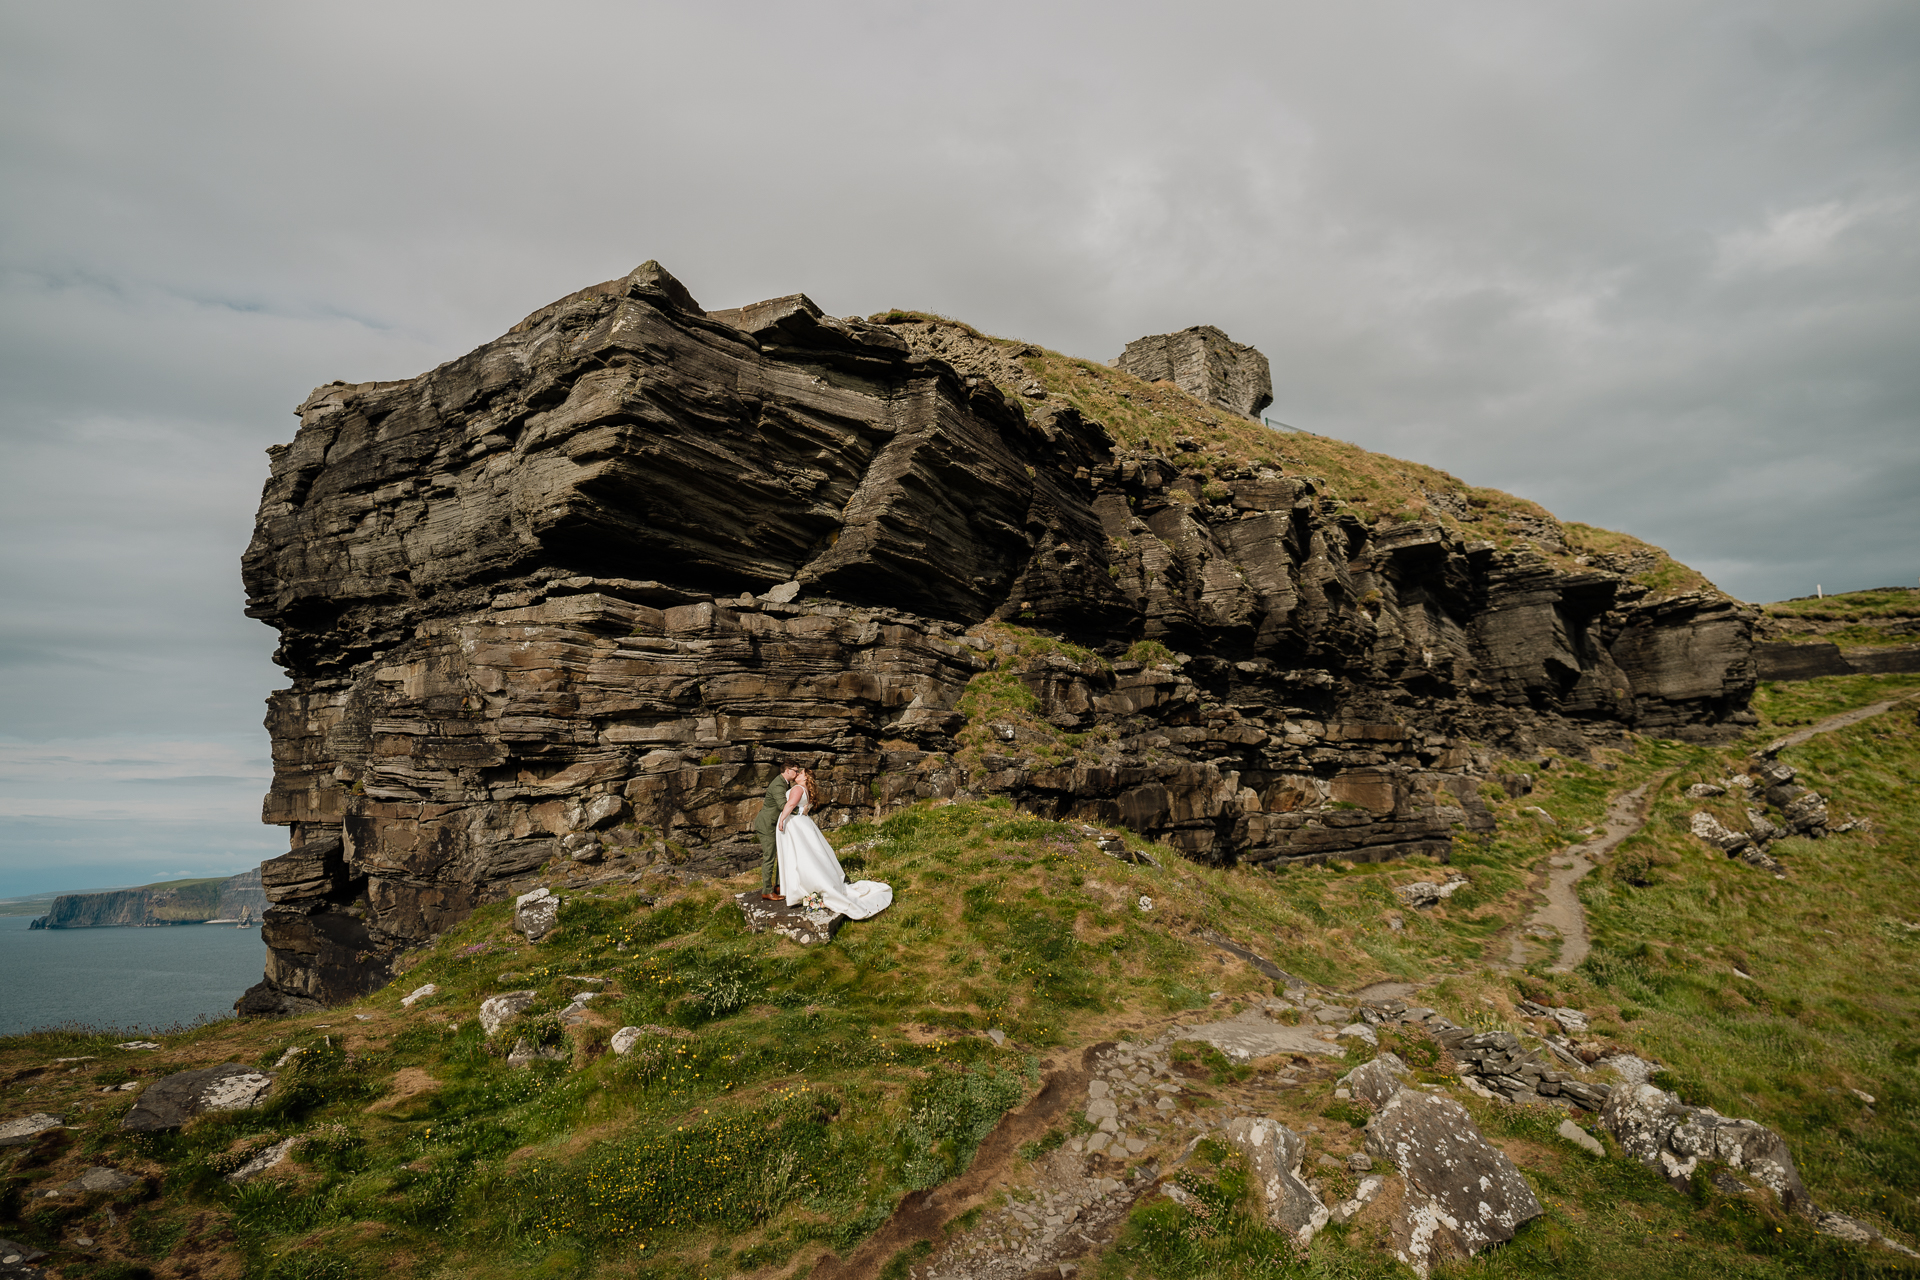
(237, 900)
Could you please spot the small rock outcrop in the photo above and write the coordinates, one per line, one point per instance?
(1501, 1064)
(497, 1011)
(808, 928)
(171, 1101)
(263, 1160)
(27, 1129)
(1273, 1154)
(1207, 365)
(1672, 1138)
(100, 1178)
(1463, 1194)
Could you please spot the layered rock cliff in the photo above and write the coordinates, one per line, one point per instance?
(587, 587)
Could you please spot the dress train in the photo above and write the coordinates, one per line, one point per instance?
(808, 866)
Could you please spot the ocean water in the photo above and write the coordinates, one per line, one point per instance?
(129, 978)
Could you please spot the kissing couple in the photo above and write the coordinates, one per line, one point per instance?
(791, 845)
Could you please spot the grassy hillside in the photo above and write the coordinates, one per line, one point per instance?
(784, 1099)
(1378, 489)
(1884, 615)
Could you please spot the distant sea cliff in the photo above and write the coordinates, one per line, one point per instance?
(237, 898)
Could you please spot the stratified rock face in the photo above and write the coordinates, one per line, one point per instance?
(1207, 365)
(585, 589)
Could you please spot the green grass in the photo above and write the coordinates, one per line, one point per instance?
(1884, 615)
(1372, 487)
(786, 1098)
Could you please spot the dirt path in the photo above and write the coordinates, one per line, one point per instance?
(1561, 915)
(1841, 721)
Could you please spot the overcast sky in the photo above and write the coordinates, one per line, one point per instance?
(1653, 264)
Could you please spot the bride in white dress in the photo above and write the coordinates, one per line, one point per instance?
(807, 864)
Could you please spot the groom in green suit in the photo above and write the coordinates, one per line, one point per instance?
(763, 826)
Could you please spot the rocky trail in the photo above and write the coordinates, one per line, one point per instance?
(1148, 1103)
(1561, 915)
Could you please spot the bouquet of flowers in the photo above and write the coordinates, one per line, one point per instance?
(814, 901)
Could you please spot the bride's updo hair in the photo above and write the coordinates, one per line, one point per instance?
(802, 776)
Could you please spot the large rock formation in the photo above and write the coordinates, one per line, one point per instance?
(591, 583)
(1206, 364)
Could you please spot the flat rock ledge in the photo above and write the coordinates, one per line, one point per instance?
(171, 1101)
(808, 928)
(27, 1129)
(1464, 1194)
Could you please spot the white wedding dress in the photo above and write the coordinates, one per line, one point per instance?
(807, 866)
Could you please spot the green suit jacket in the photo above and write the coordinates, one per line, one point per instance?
(768, 818)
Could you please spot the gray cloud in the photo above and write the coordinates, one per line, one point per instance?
(1650, 264)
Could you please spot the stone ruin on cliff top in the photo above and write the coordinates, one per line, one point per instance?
(1207, 365)
(599, 578)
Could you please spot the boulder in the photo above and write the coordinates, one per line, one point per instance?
(1375, 1082)
(624, 1039)
(24, 1131)
(602, 811)
(1672, 1138)
(1273, 1154)
(808, 928)
(1463, 1194)
(171, 1101)
(497, 1011)
(263, 1161)
(101, 1178)
(785, 593)
(418, 993)
(535, 914)
(1425, 893)
(1709, 828)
